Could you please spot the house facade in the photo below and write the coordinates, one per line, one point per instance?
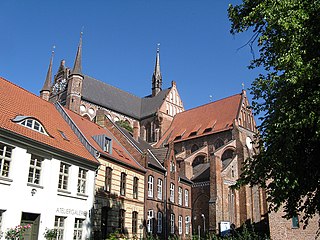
(46, 174)
(167, 193)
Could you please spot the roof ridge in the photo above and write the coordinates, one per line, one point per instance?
(25, 90)
(113, 86)
(185, 111)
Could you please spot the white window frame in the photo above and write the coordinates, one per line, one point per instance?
(77, 232)
(5, 159)
(63, 176)
(187, 225)
(180, 224)
(186, 197)
(159, 222)
(35, 169)
(172, 223)
(82, 181)
(59, 225)
(180, 196)
(160, 188)
(150, 221)
(172, 192)
(150, 186)
(33, 124)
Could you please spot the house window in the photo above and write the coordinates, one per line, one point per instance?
(77, 232)
(107, 145)
(121, 220)
(180, 224)
(150, 186)
(134, 222)
(172, 223)
(5, 159)
(59, 226)
(123, 184)
(82, 180)
(295, 222)
(135, 187)
(186, 197)
(107, 180)
(172, 192)
(159, 223)
(150, 221)
(35, 169)
(187, 225)
(159, 188)
(33, 124)
(180, 196)
(63, 176)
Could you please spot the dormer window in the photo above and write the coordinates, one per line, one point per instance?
(31, 123)
(104, 142)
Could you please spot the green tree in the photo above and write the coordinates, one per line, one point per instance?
(287, 97)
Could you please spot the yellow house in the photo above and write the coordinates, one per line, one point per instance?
(119, 185)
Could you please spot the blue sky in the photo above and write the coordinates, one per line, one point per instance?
(119, 44)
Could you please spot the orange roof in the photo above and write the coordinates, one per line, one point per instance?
(90, 129)
(218, 115)
(16, 101)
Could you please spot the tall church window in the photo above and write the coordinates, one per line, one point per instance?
(218, 143)
(194, 148)
(198, 160)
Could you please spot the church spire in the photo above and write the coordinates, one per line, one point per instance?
(77, 68)
(45, 91)
(156, 77)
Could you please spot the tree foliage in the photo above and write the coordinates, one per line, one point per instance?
(287, 96)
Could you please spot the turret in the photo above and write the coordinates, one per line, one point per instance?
(45, 91)
(75, 82)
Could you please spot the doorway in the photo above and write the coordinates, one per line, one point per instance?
(34, 220)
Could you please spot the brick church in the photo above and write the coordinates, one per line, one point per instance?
(150, 116)
(209, 142)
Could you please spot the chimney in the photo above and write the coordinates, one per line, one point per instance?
(136, 130)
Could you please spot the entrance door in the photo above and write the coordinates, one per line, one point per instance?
(34, 220)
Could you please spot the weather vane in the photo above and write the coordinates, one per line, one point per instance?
(158, 47)
(210, 97)
(242, 86)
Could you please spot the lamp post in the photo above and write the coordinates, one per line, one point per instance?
(204, 224)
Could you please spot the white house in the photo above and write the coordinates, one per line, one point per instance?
(46, 173)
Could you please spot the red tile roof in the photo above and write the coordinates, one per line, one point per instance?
(16, 101)
(90, 129)
(218, 115)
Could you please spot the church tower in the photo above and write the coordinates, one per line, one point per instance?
(156, 76)
(45, 91)
(75, 82)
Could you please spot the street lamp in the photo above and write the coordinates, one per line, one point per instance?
(204, 224)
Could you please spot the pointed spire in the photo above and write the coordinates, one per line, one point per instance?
(157, 66)
(77, 68)
(48, 82)
(156, 77)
